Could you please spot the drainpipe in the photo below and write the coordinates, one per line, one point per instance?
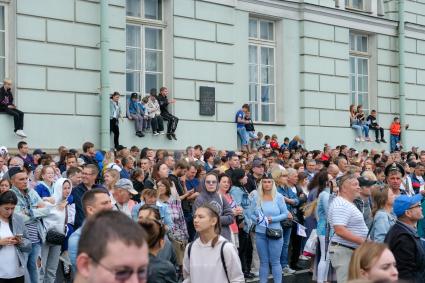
(104, 77)
(401, 85)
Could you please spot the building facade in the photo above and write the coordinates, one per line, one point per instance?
(299, 64)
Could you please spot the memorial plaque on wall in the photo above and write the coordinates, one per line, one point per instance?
(206, 101)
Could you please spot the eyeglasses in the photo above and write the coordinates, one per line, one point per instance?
(210, 182)
(418, 205)
(124, 273)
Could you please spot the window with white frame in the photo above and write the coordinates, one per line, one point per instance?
(3, 45)
(144, 46)
(355, 4)
(261, 61)
(359, 70)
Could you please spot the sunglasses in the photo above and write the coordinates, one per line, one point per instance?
(211, 182)
(124, 273)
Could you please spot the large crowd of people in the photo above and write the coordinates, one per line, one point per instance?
(211, 215)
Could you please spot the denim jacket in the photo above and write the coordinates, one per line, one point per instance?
(382, 222)
(322, 211)
(241, 197)
(31, 214)
(287, 192)
(16, 224)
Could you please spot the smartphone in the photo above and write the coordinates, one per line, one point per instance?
(19, 236)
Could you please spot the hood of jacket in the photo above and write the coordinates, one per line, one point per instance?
(58, 189)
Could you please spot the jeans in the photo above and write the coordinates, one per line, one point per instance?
(18, 117)
(358, 130)
(50, 259)
(393, 142)
(243, 135)
(365, 129)
(286, 235)
(32, 265)
(269, 251)
(138, 122)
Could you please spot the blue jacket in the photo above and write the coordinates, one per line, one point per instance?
(275, 209)
(241, 197)
(31, 214)
(382, 222)
(43, 190)
(287, 192)
(163, 212)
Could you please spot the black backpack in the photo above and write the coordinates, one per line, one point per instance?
(223, 262)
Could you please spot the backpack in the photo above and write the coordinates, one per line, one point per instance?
(223, 262)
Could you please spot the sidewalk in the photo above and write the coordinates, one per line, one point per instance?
(301, 276)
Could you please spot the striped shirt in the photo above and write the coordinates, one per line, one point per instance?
(344, 213)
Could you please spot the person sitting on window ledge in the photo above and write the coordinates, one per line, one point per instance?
(167, 116)
(373, 124)
(134, 112)
(7, 106)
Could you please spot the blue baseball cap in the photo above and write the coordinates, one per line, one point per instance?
(404, 202)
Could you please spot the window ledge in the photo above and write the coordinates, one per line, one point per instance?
(269, 124)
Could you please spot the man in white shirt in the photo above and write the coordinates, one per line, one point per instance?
(349, 227)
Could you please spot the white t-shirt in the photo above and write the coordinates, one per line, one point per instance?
(344, 213)
(9, 255)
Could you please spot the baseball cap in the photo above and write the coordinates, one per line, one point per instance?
(404, 202)
(126, 184)
(365, 182)
(38, 151)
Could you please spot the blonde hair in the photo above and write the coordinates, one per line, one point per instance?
(369, 175)
(276, 172)
(363, 258)
(260, 192)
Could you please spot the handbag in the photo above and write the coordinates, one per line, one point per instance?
(54, 237)
(274, 234)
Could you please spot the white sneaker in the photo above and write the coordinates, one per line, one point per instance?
(362, 139)
(21, 133)
(288, 270)
(162, 133)
(357, 139)
(155, 133)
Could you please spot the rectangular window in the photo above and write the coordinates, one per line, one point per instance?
(261, 61)
(359, 70)
(144, 47)
(355, 4)
(3, 39)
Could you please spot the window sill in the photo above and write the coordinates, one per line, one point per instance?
(269, 123)
(357, 10)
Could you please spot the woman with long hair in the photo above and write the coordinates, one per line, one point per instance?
(5, 185)
(14, 242)
(241, 196)
(209, 195)
(382, 212)
(224, 185)
(210, 258)
(270, 210)
(110, 178)
(178, 231)
(354, 123)
(373, 261)
(160, 270)
(321, 214)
